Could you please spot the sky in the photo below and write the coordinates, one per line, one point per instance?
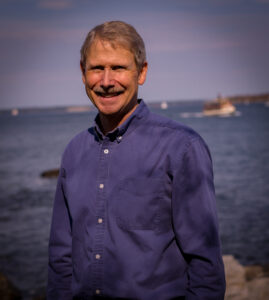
(196, 49)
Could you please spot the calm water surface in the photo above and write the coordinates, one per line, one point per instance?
(34, 142)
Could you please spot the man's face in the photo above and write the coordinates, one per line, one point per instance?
(111, 78)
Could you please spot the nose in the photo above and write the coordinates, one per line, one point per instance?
(107, 80)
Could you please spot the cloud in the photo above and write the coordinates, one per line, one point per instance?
(199, 45)
(55, 4)
(199, 32)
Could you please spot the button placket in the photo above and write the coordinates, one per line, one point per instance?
(98, 246)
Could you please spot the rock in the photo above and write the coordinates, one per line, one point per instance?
(7, 290)
(256, 271)
(235, 279)
(50, 173)
(245, 283)
(258, 289)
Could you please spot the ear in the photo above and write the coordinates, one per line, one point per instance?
(143, 74)
(82, 72)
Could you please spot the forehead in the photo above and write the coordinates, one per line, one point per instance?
(109, 51)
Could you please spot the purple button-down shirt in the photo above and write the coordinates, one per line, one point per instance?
(135, 215)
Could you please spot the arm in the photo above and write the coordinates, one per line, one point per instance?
(196, 225)
(60, 243)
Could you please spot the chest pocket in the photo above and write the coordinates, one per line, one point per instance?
(138, 203)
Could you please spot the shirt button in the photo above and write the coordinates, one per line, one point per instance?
(97, 256)
(100, 220)
(101, 185)
(97, 292)
(106, 151)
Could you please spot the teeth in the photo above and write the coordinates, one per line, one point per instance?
(108, 95)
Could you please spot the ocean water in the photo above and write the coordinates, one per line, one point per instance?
(33, 142)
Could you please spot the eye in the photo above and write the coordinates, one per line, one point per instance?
(96, 68)
(119, 67)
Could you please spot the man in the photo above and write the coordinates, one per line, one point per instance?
(134, 214)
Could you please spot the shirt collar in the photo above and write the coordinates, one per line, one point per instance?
(129, 124)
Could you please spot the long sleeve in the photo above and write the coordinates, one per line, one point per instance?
(60, 244)
(196, 225)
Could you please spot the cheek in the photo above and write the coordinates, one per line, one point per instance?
(127, 81)
(92, 80)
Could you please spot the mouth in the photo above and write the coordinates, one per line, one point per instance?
(108, 95)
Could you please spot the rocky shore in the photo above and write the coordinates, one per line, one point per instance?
(243, 283)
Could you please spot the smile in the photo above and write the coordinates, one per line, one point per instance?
(108, 95)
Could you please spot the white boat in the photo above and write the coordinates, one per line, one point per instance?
(219, 107)
(164, 105)
(14, 112)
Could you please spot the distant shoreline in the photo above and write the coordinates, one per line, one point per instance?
(249, 98)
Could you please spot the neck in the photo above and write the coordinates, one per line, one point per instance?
(110, 122)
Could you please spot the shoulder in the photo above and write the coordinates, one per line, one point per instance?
(176, 130)
(179, 139)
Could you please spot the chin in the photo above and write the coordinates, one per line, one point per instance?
(108, 110)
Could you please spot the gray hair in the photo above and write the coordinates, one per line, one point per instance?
(116, 33)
